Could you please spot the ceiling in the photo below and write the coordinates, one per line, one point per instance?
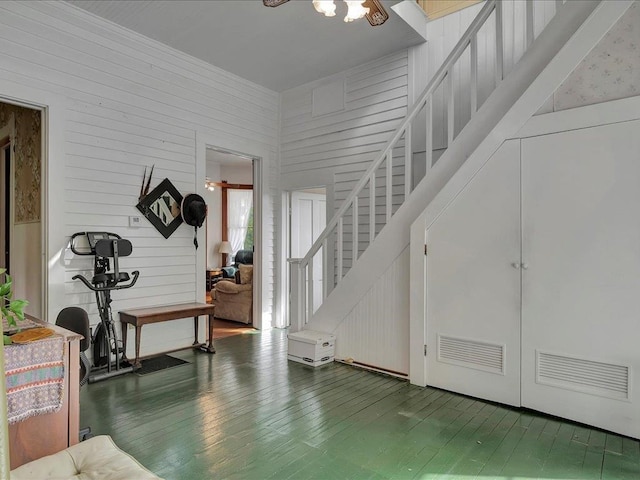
(278, 48)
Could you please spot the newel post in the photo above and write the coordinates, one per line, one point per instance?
(296, 309)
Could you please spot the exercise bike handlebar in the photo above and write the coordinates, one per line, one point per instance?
(91, 286)
(72, 243)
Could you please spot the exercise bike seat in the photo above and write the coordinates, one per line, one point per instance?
(107, 248)
(109, 278)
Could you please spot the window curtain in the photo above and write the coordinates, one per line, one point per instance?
(239, 203)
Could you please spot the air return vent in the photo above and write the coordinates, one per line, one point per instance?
(587, 376)
(471, 354)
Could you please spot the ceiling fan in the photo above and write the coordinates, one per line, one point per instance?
(372, 10)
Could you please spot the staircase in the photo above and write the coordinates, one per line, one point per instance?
(371, 229)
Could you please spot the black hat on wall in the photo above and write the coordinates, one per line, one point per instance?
(194, 212)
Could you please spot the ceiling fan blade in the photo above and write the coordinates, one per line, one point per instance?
(273, 3)
(377, 14)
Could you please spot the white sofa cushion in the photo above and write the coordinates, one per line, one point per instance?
(95, 459)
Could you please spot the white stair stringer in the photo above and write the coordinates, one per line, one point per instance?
(566, 40)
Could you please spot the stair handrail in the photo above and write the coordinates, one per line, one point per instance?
(434, 83)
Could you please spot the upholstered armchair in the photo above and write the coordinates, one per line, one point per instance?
(234, 301)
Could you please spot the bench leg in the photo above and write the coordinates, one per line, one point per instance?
(137, 364)
(210, 347)
(195, 331)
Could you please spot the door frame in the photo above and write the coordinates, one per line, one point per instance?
(53, 240)
(9, 131)
(258, 154)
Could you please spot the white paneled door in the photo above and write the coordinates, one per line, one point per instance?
(308, 219)
(473, 285)
(581, 290)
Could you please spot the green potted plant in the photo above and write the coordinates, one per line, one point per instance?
(12, 310)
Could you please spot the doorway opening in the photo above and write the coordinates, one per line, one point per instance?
(21, 201)
(5, 202)
(231, 236)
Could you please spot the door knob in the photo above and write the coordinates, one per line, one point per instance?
(515, 265)
(525, 266)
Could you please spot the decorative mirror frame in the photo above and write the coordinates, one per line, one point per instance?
(145, 207)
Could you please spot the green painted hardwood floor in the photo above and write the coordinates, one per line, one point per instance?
(248, 413)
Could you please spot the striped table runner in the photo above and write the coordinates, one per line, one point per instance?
(34, 378)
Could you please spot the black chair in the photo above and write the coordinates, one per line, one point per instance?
(244, 256)
(75, 319)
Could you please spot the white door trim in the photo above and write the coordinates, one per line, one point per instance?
(258, 154)
(53, 239)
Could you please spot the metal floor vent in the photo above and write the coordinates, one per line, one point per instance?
(474, 354)
(587, 376)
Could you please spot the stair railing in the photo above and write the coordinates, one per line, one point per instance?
(360, 217)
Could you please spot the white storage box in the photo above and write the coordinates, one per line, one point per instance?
(311, 348)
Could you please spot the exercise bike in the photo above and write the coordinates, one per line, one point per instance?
(105, 246)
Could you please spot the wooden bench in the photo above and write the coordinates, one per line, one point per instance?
(143, 316)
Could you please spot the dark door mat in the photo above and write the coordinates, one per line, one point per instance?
(159, 363)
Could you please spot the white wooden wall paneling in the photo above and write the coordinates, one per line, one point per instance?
(339, 140)
(118, 41)
(84, 129)
(395, 67)
(373, 68)
(345, 153)
(330, 123)
(368, 135)
(375, 101)
(389, 80)
(358, 153)
(119, 119)
(102, 71)
(374, 321)
(122, 90)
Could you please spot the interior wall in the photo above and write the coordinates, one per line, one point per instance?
(127, 102)
(314, 148)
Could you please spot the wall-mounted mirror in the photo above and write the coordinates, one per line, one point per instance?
(162, 208)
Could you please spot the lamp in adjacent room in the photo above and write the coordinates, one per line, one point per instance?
(224, 249)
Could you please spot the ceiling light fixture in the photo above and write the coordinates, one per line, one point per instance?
(355, 10)
(372, 10)
(326, 7)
